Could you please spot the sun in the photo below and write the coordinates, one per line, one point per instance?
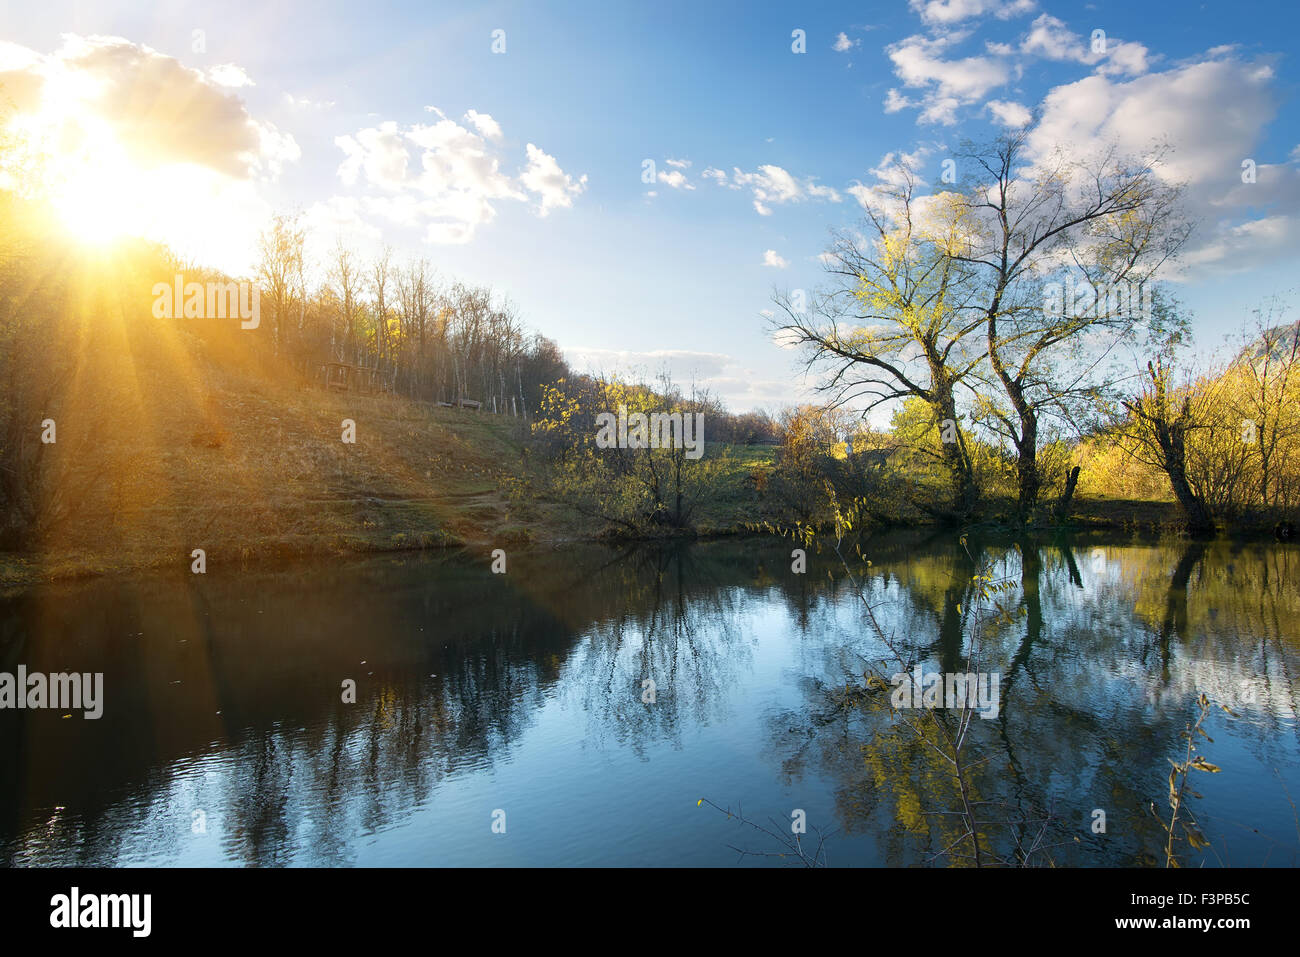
(92, 210)
(94, 189)
(98, 193)
(104, 169)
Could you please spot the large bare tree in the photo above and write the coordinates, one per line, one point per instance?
(897, 320)
(1028, 220)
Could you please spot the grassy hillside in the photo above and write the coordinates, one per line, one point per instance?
(174, 442)
(204, 454)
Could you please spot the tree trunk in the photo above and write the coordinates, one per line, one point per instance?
(955, 456)
(1062, 509)
(1197, 515)
(1028, 479)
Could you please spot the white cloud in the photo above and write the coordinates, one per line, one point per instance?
(676, 179)
(783, 338)
(306, 103)
(1009, 113)
(1232, 248)
(946, 85)
(843, 43)
(940, 109)
(769, 183)
(554, 188)
(773, 259)
(891, 173)
(863, 194)
(484, 123)
(774, 186)
(1124, 59)
(227, 74)
(380, 152)
(456, 182)
(918, 64)
(948, 12)
(678, 164)
(159, 112)
(14, 58)
(1213, 113)
(895, 101)
(1051, 39)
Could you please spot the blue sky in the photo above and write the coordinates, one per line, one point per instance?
(633, 275)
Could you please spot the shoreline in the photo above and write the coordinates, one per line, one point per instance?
(21, 570)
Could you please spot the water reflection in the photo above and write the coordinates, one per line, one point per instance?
(1099, 676)
(226, 739)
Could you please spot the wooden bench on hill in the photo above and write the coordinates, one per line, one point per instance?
(343, 377)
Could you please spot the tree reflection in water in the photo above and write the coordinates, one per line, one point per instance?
(1100, 675)
(223, 696)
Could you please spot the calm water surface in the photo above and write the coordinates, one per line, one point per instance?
(225, 740)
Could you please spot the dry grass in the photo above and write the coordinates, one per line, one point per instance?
(246, 466)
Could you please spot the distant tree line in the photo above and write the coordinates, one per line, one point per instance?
(426, 338)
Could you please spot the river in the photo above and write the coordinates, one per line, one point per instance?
(507, 719)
